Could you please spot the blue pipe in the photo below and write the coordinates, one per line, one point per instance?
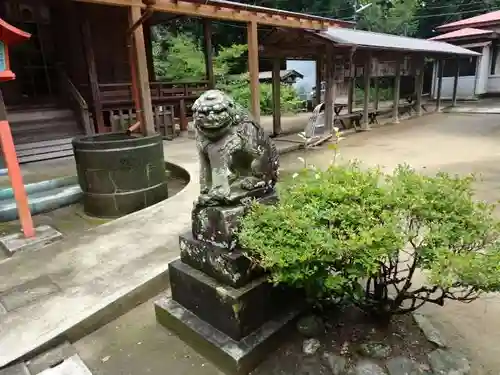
(37, 187)
(42, 201)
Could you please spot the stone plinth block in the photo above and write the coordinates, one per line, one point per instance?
(234, 328)
(230, 267)
(232, 356)
(217, 225)
(235, 312)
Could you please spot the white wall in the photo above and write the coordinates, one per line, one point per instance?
(468, 86)
(484, 71)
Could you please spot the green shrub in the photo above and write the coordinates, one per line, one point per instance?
(360, 234)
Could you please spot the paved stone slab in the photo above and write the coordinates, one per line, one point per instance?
(45, 235)
(17, 369)
(71, 366)
(27, 293)
(50, 358)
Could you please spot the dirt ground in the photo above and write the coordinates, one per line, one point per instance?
(461, 144)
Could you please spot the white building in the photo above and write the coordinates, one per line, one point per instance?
(477, 75)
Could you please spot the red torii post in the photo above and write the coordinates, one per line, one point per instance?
(10, 35)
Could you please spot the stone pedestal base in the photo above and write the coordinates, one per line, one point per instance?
(234, 328)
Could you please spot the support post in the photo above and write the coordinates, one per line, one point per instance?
(149, 51)
(397, 88)
(455, 83)
(367, 75)
(15, 176)
(440, 70)
(352, 83)
(253, 68)
(208, 51)
(377, 96)
(419, 83)
(276, 97)
(350, 95)
(329, 91)
(92, 74)
(319, 79)
(140, 66)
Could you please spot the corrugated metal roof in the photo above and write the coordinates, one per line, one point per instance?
(382, 41)
(461, 33)
(482, 18)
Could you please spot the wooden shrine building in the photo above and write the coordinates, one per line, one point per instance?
(74, 75)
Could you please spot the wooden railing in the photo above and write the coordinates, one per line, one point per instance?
(76, 102)
(170, 100)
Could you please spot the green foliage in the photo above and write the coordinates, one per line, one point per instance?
(361, 234)
(239, 89)
(392, 17)
(180, 58)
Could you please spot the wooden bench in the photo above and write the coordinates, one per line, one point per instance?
(354, 117)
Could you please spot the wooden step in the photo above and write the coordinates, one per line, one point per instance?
(42, 115)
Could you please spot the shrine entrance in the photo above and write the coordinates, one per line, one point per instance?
(36, 75)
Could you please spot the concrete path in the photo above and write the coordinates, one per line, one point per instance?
(75, 282)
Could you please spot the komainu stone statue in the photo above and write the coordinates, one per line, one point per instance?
(238, 163)
(220, 301)
(237, 158)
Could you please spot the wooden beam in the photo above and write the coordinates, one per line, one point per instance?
(276, 97)
(397, 89)
(319, 79)
(142, 76)
(455, 83)
(149, 50)
(253, 69)
(92, 73)
(228, 13)
(377, 93)
(440, 71)
(419, 84)
(329, 90)
(209, 53)
(367, 71)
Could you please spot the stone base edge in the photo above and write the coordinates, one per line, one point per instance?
(233, 357)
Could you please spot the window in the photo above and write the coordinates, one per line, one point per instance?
(494, 57)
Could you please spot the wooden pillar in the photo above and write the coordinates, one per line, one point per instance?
(92, 74)
(440, 70)
(367, 75)
(455, 83)
(397, 88)
(253, 69)
(329, 90)
(149, 51)
(377, 96)
(350, 95)
(352, 83)
(419, 84)
(319, 79)
(142, 77)
(208, 51)
(276, 97)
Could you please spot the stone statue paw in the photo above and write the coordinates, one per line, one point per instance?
(250, 183)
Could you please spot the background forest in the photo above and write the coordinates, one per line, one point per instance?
(178, 53)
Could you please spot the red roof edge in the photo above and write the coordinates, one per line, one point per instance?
(11, 34)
